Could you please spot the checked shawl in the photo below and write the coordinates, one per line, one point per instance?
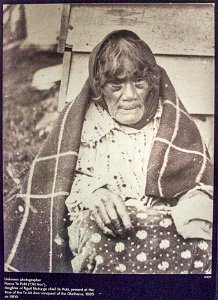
(179, 161)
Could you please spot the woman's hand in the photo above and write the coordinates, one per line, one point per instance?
(109, 212)
(194, 229)
(192, 221)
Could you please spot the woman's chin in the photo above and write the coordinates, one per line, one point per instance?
(129, 119)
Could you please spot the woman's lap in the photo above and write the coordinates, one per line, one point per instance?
(153, 247)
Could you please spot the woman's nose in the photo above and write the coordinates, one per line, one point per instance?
(129, 92)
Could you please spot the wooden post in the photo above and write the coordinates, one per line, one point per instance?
(65, 78)
(67, 55)
(64, 27)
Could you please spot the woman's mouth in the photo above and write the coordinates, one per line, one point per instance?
(129, 107)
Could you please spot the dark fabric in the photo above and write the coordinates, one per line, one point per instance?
(153, 247)
(179, 161)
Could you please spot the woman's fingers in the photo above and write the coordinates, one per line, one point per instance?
(109, 212)
(104, 215)
(101, 224)
(108, 232)
(123, 214)
(112, 213)
(100, 213)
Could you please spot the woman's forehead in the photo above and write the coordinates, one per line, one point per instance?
(127, 69)
(128, 66)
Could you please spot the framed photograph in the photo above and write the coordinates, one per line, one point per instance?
(108, 151)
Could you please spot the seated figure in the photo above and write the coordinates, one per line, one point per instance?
(129, 164)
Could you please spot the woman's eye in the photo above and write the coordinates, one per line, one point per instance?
(116, 86)
(140, 83)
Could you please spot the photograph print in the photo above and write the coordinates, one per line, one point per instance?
(108, 114)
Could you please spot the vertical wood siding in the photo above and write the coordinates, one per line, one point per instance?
(180, 35)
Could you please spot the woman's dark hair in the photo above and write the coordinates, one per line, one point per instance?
(112, 57)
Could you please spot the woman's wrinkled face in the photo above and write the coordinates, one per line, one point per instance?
(126, 96)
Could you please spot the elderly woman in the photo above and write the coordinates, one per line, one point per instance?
(133, 169)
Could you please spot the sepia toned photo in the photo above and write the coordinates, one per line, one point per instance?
(108, 138)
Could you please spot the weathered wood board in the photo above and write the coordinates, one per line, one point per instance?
(193, 78)
(178, 29)
(43, 23)
(64, 27)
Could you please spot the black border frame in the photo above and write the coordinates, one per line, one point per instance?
(138, 287)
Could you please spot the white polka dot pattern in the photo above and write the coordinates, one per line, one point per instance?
(186, 254)
(141, 257)
(121, 268)
(141, 251)
(141, 234)
(99, 259)
(164, 265)
(164, 244)
(119, 247)
(165, 223)
(96, 237)
(203, 245)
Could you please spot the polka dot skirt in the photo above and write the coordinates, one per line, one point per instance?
(153, 247)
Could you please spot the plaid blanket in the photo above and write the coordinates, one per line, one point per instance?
(179, 161)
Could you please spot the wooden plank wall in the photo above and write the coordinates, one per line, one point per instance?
(43, 23)
(180, 35)
(167, 28)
